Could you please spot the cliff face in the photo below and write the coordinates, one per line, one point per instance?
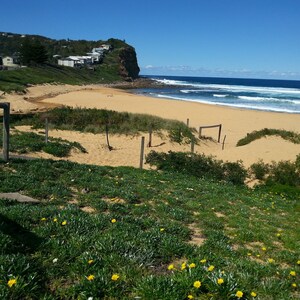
(128, 68)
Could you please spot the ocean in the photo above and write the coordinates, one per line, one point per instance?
(255, 94)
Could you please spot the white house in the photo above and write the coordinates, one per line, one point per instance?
(8, 61)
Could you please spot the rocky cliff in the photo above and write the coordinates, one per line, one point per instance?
(128, 68)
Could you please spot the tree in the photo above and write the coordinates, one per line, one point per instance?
(33, 52)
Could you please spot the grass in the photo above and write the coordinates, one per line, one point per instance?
(18, 80)
(133, 236)
(25, 142)
(95, 121)
(255, 135)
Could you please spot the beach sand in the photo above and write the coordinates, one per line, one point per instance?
(236, 123)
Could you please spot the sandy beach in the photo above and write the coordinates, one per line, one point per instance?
(236, 123)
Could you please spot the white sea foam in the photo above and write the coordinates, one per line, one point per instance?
(237, 105)
(232, 88)
(219, 96)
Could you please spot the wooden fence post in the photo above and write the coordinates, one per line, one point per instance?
(150, 137)
(187, 122)
(6, 110)
(142, 152)
(223, 142)
(220, 129)
(46, 130)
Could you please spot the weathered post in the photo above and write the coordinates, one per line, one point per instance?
(220, 129)
(150, 137)
(223, 142)
(192, 145)
(187, 122)
(107, 139)
(46, 130)
(142, 152)
(6, 110)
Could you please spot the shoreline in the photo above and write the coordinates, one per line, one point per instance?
(236, 122)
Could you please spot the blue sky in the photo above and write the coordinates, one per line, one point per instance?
(223, 38)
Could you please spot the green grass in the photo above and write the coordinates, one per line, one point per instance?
(25, 142)
(95, 121)
(18, 80)
(51, 249)
(255, 135)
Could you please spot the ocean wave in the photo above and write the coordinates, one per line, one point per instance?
(220, 95)
(232, 88)
(235, 105)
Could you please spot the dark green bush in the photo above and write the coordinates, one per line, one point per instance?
(259, 170)
(198, 165)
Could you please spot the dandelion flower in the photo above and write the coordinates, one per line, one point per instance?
(197, 284)
(171, 267)
(211, 268)
(90, 261)
(298, 262)
(293, 273)
(113, 220)
(253, 294)
(115, 277)
(64, 223)
(43, 219)
(278, 234)
(249, 254)
(192, 265)
(90, 277)
(162, 229)
(239, 294)
(183, 266)
(271, 260)
(294, 285)
(264, 249)
(220, 281)
(203, 261)
(55, 220)
(190, 297)
(11, 282)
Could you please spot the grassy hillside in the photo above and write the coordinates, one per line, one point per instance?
(18, 80)
(123, 233)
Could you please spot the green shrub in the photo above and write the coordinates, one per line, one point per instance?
(255, 135)
(259, 170)
(198, 165)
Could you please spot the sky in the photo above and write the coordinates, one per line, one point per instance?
(213, 38)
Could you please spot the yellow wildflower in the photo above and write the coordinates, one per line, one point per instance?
(190, 297)
(171, 267)
(249, 254)
(220, 281)
(90, 277)
(162, 229)
(183, 266)
(90, 261)
(43, 219)
(197, 284)
(115, 277)
(11, 282)
(203, 261)
(192, 265)
(64, 223)
(264, 249)
(210, 268)
(239, 294)
(253, 294)
(271, 260)
(293, 273)
(113, 220)
(278, 234)
(55, 220)
(294, 285)
(298, 262)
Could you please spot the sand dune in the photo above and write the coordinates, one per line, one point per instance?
(236, 123)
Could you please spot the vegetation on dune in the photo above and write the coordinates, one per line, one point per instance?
(96, 120)
(140, 234)
(255, 135)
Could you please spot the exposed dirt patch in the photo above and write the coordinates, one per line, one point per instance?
(197, 237)
(88, 209)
